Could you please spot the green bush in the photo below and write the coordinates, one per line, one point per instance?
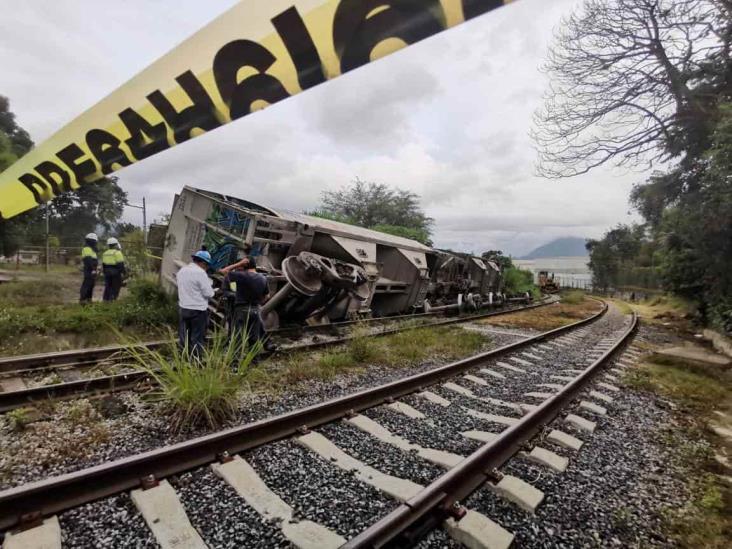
(519, 281)
(573, 297)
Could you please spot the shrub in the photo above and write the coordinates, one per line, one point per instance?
(573, 297)
(198, 391)
(519, 281)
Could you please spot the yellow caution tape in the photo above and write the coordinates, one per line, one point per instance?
(256, 54)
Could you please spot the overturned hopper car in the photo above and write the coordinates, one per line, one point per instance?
(320, 270)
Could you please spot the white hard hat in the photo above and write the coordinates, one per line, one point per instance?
(92, 236)
(112, 241)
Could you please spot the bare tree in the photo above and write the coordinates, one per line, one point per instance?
(630, 83)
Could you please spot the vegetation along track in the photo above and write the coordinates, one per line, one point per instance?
(85, 358)
(460, 388)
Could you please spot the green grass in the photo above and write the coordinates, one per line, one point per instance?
(573, 297)
(22, 293)
(146, 307)
(200, 391)
(695, 387)
(704, 520)
(404, 349)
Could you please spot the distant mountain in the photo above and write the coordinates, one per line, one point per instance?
(569, 246)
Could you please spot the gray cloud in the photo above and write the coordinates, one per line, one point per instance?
(447, 118)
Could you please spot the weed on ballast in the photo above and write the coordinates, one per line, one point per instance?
(198, 391)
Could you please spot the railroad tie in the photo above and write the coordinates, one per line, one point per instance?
(608, 386)
(406, 410)
(475, 379)
(555, 386)
(532, 356)
(521, 361)
(580, 423)
(166, 517)
(503, 420)
(480, 530)
(305, 534)
(434, 398)
(539, 395)
(47, 535)
(492, 373)
(444, 459)
(11, 384)
(510, 367)
(562, 378)
(564, 440)
(455, 388)
(593, 408)
(538, 455)
(601, 396)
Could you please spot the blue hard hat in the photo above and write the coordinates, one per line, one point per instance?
(203, 255)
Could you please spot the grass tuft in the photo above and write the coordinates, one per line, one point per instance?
(198, 392)
(573, 297)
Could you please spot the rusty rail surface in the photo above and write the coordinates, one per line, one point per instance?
(53, 495)
(10, 400)
(414, 518)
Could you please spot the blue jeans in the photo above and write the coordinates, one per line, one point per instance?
(192, 326)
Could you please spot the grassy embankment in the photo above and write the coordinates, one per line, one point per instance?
(573, 307)
(701, 394)
(36, 317)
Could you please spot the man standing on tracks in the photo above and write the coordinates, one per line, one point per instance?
(90, 263)
(113, 264)
(194, 291)
(251, 291)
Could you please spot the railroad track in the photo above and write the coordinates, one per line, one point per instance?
(520, 402)
(69, 362)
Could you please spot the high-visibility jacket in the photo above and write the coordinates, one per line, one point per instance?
(89, 260)
(113, 261)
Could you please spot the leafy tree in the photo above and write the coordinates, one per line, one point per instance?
(503, 261)
(20, 141)
(71, 215)
(377, 206)
(14, 143)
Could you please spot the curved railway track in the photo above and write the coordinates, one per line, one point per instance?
(469, 386)
(86, 358)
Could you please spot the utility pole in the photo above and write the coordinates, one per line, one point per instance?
(144, 217)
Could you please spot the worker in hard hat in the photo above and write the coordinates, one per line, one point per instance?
(251, 291)
(194, 291)
(113, 263)
(90, 264)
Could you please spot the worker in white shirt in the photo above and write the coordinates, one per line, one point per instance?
(194, 291)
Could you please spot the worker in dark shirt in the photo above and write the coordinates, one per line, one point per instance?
(251, 291)
(90, 264)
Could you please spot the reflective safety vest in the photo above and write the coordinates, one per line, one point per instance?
(112, 257)
(88, 251)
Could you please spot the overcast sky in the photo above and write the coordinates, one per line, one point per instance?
(447, 118)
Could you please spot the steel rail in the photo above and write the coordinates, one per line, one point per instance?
(49, 496)
(11, 400)
(79, 357)
(406, 524)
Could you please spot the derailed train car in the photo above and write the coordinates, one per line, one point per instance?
(321, 270)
